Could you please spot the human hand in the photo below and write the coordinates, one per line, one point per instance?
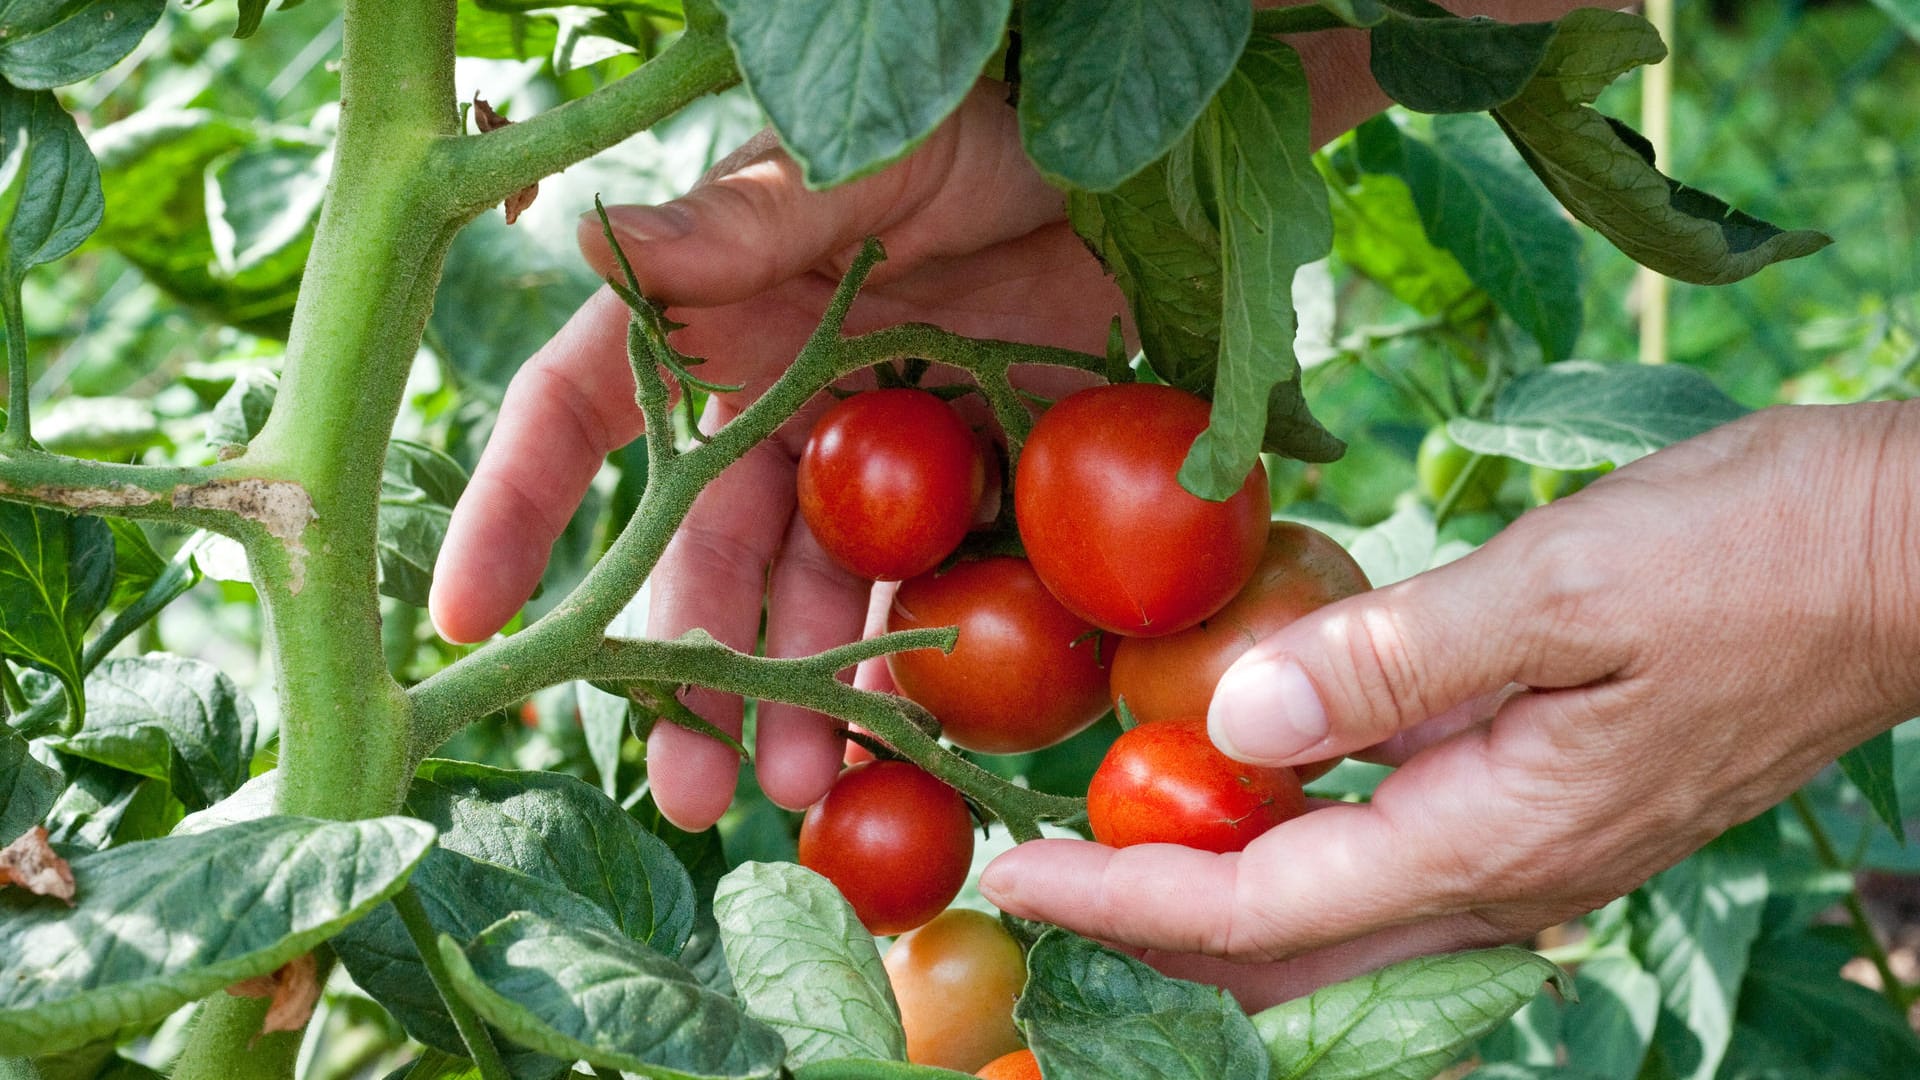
(1697, 634)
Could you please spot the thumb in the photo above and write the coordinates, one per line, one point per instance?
(751, 223)
(1358, 672)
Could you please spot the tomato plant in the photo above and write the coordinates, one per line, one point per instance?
(1107, 524)
(895, 841)
(1026, 672)
(1301, 569)
(1441, 461)
(956, 980)
(1165, 783)
(888, 482)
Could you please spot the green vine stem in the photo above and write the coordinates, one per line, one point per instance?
(197, 496)
(473, 1033)
(18, 434)
(1890, 985)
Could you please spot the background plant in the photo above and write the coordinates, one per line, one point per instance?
(283, 339)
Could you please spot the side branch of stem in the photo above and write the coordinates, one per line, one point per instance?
(155, 493)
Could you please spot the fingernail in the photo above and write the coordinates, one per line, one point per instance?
(1266, 713)
(643, 224)
(996, 883)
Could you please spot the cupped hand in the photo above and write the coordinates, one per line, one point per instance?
(1604, 687)
(976, 243)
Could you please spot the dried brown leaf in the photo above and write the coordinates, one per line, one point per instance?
(487, 120)
(30, 863)
(295, 989)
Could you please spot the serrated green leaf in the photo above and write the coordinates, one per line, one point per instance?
(418, 489)
(1604, 173)
(27, 788)
(1405, 1022)
(1693, 926)
(1271, 208)
(1089, 1012)
(1478, 203)
(584, 992)
(163, 923)
(1870, 767)
(1455, 65)
(50, 196)
(242, 411)
(56, 575)
(51, 43)
(170, 718)
(1581, 415)
(804, 965)
(1107, 88)
(852, 85)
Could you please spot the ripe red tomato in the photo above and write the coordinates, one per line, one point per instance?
(956, 980)
(1301, 569)
(888, 482)
(1026, 672)
(894, 839)
(1166, 783)
(1107, 524)
(1019, 1065)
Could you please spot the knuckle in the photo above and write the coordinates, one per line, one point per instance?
(1379, 685)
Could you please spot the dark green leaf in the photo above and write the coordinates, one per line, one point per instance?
(603, 720)
(136, 563)
(1108, 86)
(1477, 202)
(1270, 206)
(589, 993)
(242, 411)
(1693, 926)
(417, 493)
(1580, 415)
(262, 202)
(172, 581)
(1407, 1021)
(1089, 1012)
(1454, 65)
(50, 196)
(1904, 13)
(1870, 767)
(251, 12)
(1511, 1071)
(852, 85)
(52, 43)
(804, 965)
(560, 830)
(491, 34)
(1377, 231)
(169, 921)
(1604, 173)
(1609, 1028)
(100, 805)
(1797, 1011)
(27, 788)
(170, 718)
(56, 575)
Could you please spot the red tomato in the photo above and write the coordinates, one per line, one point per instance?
(1301, 569)
(1019, 1065)
(1166, 783)
(888, 482)
(1107, 524)
(894, 839)
(956, 980)
(1026, 672)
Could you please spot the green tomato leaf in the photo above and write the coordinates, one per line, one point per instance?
(101, 806)
(242, 411)
(561, 830)
(603, 720)
(852, 85)
(867, 1069)
(1108, 86)
(1580, 415)
(50, 197)
(136, 563)
(1870, 767)
(1377, 231)
(262, 202)
(1904, 13)
(1448, 64)
(1610, 1028)
(804, 965)
(1406, 1021)
(1403, 545)
(166, 922)
(1271, 208)
(1089, 1012)
(27, 788)
(1477, 202)
(1603, 172)
(56, 575)
(417, 493)
(586, 992)
(176, 720)
(1798, 1013)
(157, 589)
(51, 43)
(109, 428)
(487, 32)
(1694, 927)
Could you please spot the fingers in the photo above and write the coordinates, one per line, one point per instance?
(565, 410)
(1357, 673)
(812, 605)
